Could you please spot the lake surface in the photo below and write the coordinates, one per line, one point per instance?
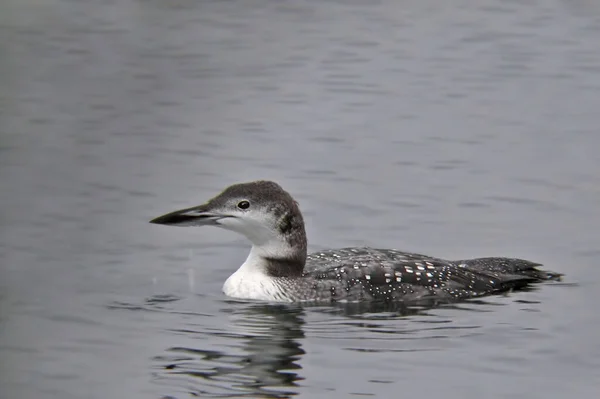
(456, 129)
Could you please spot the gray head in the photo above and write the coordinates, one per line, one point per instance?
(262, 211)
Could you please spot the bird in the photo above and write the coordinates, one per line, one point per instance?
(279, 268)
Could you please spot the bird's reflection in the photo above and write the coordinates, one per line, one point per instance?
(265, 365)
(255, 350)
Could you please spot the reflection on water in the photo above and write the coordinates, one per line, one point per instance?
(256, 350)
(264, 366)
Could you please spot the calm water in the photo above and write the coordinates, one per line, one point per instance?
(456, 129)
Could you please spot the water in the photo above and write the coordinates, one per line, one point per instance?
(455, 129)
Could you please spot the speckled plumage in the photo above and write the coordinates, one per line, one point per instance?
(358, 274)
(279, 269)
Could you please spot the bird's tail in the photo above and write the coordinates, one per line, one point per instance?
(505, 267)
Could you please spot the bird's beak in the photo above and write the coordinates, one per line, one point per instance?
(196, 216)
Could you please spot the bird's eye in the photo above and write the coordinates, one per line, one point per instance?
(243, 204)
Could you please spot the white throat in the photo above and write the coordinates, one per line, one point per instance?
(251, 281)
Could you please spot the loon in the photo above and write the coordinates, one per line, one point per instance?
(278, 268)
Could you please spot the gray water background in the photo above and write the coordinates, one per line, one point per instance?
(453, 128)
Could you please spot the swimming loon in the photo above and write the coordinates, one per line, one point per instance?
(278, 268)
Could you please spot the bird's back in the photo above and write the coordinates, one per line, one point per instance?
(355, 274)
